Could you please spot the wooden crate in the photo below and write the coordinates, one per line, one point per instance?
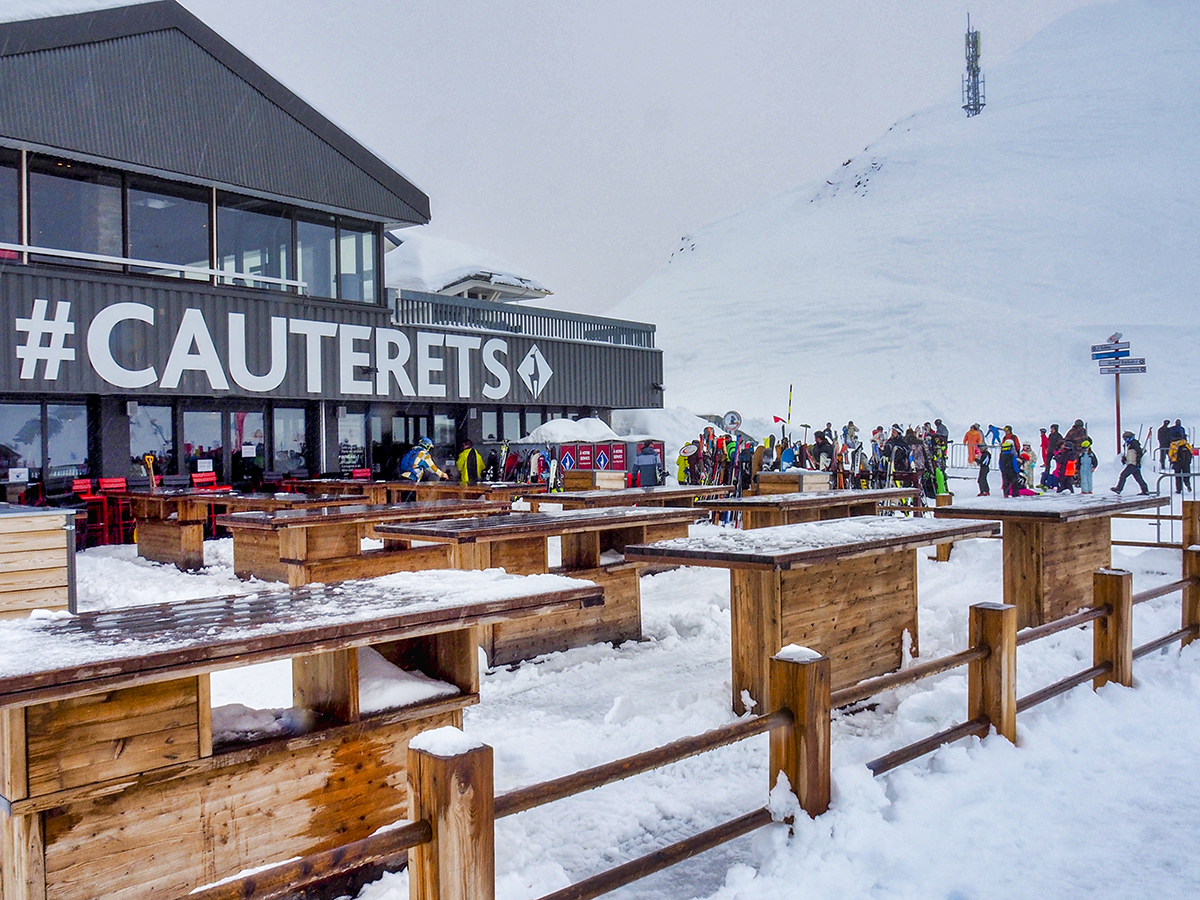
(37, 556)
(592, 480)
(793, 481)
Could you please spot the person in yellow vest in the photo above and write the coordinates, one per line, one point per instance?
(470, 464)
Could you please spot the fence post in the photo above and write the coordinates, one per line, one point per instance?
(1112, 636)
(798, 680)
(943, 550)
(992, 681)
(1191, 567)
(450, 785)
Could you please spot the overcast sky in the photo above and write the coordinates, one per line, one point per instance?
(580, 140)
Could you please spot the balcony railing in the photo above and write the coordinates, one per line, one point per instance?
(417, 308)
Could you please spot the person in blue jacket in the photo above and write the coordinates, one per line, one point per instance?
(417, 462)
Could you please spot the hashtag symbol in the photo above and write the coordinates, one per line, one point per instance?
(54, 330)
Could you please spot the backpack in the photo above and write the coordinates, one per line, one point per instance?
(1180, 450)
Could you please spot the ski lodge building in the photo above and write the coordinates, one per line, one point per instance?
(191, 265)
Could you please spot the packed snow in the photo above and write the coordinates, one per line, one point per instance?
(427, 263)
(962, 268)
(559, 431)
(383, 685)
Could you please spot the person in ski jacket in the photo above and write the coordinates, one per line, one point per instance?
(1045, 448)
(683, 463)
(985, 463)
(822, 450)
(1053, 441)
(1087, 465)
(1029, 463)
(993, 435)
(417, 462)
(1076, 434)
(470, 464)
(1010, 471)
(941, 430)
(1165, 437)
(1133, 465)
(1010, 436)
(647, 463)
(1181, 461)
(973, 438)
(1064, 468)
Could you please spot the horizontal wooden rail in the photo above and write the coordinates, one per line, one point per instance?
(872, 686)
(977, 726)
(535, 795)
(1163, 590)
(1066, 622)
(1159, 545)
(1061, 687)
(627, 873)
(285, 879)
(1163, 641)
(1166, 518)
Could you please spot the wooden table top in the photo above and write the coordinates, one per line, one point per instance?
(1048, 507)
(264, 501)
(50, 659)
(306, 517)
(540, 524)
(808, 543)
(810, 499)
(634, 496)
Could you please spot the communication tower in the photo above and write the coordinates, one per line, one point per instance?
(973, 82)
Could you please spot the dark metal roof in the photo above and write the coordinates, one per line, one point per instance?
(153, 87)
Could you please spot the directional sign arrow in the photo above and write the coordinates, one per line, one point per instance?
(1123, 370)
(1111, 354)
(1112, 345)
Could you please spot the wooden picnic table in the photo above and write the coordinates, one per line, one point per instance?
(324, 543)
(766, 510)
(593, 541)
(480, 490)
(372, 492)
(845, 587)
(115, 785)
(1053, 544)
(660, 495)
(170, 521)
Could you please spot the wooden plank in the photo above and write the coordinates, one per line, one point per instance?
(581, 551)
(520, 555)
(12, 565)
(371, 564)
(23, 542)
(802, 752)
(327, 683)
(1071, 554)
(22, 859)
(27, 524)
(1023, 571)
(257, 554)
(14, 784)
(171, 542)
(52, 596)
(992, 681)
(755, 606)
(286, 801)
(204, 727)
(1112, 635)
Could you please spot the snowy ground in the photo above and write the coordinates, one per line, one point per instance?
(1096, 801)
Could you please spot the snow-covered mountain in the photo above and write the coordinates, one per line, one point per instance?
(963, 267)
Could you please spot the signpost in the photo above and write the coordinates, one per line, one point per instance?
(1113, 357)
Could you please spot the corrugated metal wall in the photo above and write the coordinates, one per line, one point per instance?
(160, 101)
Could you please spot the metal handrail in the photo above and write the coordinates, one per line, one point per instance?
(153, 264)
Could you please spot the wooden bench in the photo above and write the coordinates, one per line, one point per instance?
(846, 588)
(1052, 546)
(324, 544)
(37, 559)
(518, 543)
(791, 481)
(113, 785)
(169, 522)
(659, 495)
(766, 510)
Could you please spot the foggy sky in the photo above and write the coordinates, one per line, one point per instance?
(581, 140)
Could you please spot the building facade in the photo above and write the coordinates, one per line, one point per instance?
(191, 264)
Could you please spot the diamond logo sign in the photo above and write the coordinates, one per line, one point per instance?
(535, 371)
(602, 460)
(568, 460)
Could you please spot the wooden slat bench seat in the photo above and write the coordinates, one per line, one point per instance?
(844, 587)
(590, 538)
(324, 544)
(766, 510)
(111, 786)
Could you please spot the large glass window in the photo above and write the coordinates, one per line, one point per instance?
(489, 425)
(445, 432)
(248, 443)
(512, 424)
(203, 441)
(10, 202)
(253, 238)
(316, 256)
(66, 441)
(358, 262)
(76, 207)
(290, 441)
(533, 419)
(21, 438)
(352, 442)
(151, 432)
(168, 223)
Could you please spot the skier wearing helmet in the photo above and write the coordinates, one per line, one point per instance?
(417, 461)
(1010, 468)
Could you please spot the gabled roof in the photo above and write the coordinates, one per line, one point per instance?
(152, 87)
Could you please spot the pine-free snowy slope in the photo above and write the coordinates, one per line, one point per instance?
(962, 267)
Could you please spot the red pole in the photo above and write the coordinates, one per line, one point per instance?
(1117, 388)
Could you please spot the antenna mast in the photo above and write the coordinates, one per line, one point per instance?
(973, 82)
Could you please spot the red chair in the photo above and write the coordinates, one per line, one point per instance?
(95, 531)
(120, 511)
(207, 481)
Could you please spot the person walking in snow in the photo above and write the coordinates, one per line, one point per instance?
(1133, 465)
(1165, 435)
(1087, 465)
(1045, 449)
(985, 463)
(1181, 461)
(1009, 469)
(1053, 441)
(973, 438)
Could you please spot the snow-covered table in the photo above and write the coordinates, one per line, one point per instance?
(659, 495)
(845, 587)
(301, 546)
(1053, 544)
(593, 541)
(766, 510)
(112, 785)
